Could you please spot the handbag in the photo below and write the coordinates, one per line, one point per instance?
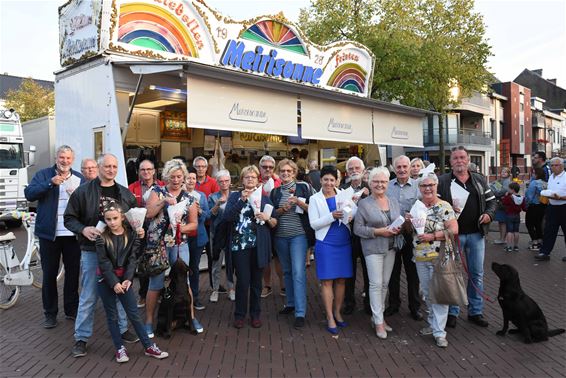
(153, 261)
(447, 284)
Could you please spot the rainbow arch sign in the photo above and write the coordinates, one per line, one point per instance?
(182, 30)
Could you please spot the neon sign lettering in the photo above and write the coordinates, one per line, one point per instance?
(235, 55)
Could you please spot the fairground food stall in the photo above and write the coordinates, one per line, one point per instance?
(170, 78)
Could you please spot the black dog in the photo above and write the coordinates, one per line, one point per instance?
(519, 309)
(176, 303)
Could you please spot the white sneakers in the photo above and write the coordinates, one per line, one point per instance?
(214, 296)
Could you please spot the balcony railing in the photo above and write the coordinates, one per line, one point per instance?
(462, 138)
(538, 121)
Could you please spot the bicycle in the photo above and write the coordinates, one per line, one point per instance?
(14, 273)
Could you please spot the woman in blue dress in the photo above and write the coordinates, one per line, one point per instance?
(333, 249)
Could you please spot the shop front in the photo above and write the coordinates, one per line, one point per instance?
(160, 79)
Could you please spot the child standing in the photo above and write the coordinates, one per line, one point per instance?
(514, 203)
(117, 248)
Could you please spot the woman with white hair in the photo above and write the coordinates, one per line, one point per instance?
(440, 217)
(380, 242)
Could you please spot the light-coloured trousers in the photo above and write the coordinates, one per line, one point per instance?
(379, 268)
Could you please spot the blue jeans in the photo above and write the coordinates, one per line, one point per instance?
(128, 301)
(473, 246)
(156, 283)
(194, 262)
(292, 252)
(88, 298)
(437, 313)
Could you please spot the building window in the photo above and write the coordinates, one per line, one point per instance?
(492, 128)
(522, 133)
(522, 102)
(477, 161)
(501, 129)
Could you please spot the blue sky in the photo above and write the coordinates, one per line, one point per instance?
(523, 34)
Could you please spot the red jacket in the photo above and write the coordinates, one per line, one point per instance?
(511, 208)
(136, 190)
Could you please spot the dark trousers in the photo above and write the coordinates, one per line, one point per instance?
(144, 284)
(128, 301)
(534, 219)
(51, 252)
(248, 280)
(195, 253)
(350, 295)
(555, 219)
(405, 257)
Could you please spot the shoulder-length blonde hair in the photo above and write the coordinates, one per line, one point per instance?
(248, 169)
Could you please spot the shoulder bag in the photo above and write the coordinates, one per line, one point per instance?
(447, 285)
(153, 261)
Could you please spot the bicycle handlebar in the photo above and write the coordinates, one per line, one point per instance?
(23, 215)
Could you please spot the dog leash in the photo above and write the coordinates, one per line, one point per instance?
(465, 265)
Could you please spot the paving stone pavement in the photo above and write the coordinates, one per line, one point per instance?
(278, 350)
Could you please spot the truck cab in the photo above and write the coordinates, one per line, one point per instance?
(13, 165)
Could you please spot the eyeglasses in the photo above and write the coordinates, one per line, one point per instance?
(427, 186)
(250, 177)
(286, 170)
(200, 166)
(458, 148)
(146, 169)
(266, 167)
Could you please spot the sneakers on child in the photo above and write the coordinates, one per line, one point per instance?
(155, 352)
(149, 330)
(214, 296)
(198, 327)
(122, 355)
(508, 249)
(232, 295)
(515, 249)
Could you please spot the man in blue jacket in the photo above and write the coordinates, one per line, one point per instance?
(51, 188)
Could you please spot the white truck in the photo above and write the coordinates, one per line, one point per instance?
(13, 165)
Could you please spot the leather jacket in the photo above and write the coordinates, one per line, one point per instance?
(109, 259)
(486, 198)
(83, 209)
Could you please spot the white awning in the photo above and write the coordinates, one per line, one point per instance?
(222, 105)
(396, 129)
(335, 121)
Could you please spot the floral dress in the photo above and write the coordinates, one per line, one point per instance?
(437, 215)
(160, 228)
(244, 235)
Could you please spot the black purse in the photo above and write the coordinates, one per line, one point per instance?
(153, 261)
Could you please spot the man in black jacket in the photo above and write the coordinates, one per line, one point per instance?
(473, 224)
(82, 215)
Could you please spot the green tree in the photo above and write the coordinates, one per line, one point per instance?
(422, 48)
(31, 100)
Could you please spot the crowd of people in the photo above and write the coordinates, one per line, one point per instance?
(278, 212)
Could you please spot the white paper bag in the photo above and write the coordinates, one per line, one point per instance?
(101, 226)
(459, 197)
(195, 195)
(397, 223)
(269, 185)
(298, 209)
(175, 213)
(255, 200)
(344, 198)
(267, 210)
(136, 216)
(418, 216)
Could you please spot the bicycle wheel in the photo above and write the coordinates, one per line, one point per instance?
(35, 268)
(8, 294)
